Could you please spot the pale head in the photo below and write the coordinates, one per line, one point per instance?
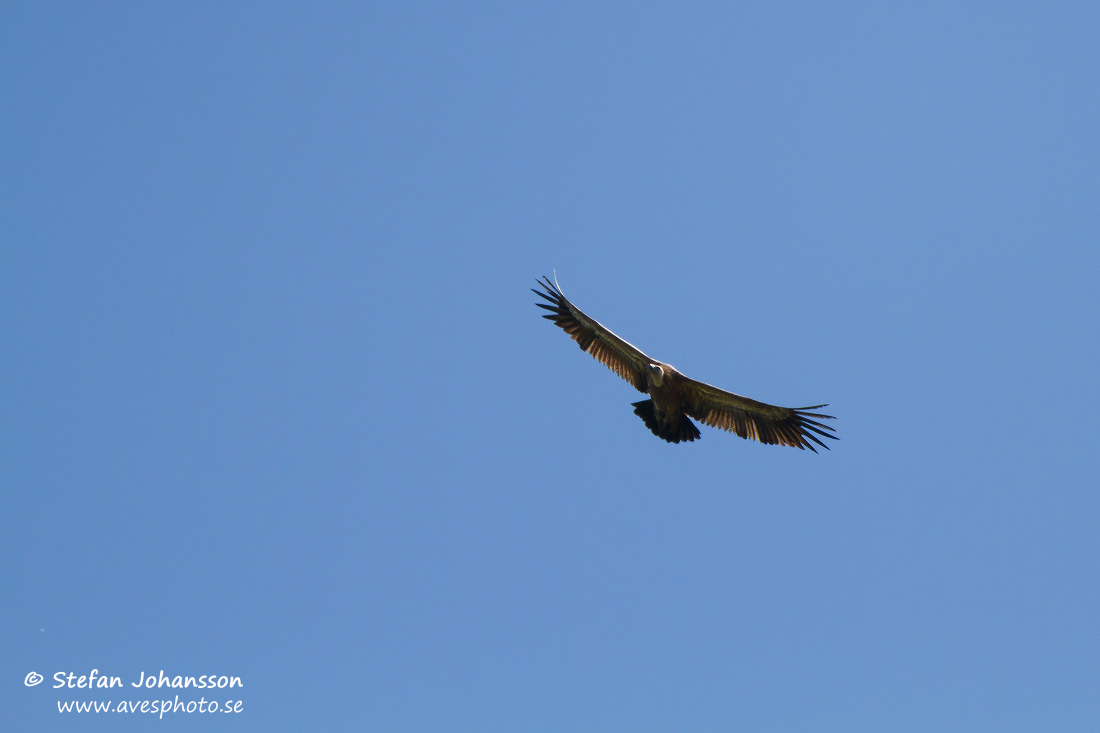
(656, 374)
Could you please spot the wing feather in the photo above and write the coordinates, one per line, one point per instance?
(613, 352)
(793, 426)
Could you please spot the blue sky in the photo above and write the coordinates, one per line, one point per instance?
(278, 404)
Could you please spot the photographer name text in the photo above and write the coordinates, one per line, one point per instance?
(95, 679)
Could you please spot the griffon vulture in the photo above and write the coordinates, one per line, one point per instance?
(673, 397)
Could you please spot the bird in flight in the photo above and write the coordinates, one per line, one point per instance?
(674, 398)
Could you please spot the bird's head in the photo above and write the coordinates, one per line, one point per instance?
(657, 374)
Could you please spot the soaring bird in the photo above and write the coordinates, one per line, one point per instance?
(674, 398)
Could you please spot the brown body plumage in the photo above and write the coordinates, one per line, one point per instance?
(674, 398)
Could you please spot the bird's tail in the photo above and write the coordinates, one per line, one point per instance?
(673, 431)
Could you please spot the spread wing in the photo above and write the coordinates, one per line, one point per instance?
(617, 355)
(748, 418)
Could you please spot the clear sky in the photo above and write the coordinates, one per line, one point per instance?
(277, 402)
